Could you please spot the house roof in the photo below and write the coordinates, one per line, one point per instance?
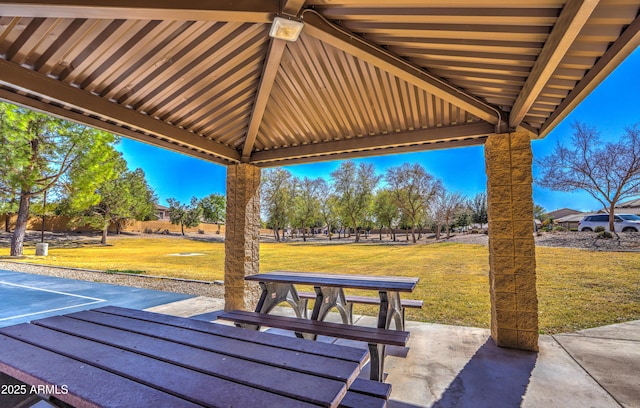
(366, 77)
(562, 213)
(572, 217)
(635, 203)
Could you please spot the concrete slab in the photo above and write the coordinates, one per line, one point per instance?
(459, 367)
(192, 307)
(613, 363)
(557, 381)
(620, 331)
(25, 297)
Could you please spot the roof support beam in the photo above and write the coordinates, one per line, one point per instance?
(292, 7)
(49, 109)
(41, 86)
(628, 41)
(274, 56)
(318, 27)
(573, 17)
(379, 152)
(402, 141)
(255, 11)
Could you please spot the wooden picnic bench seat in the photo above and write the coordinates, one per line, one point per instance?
(376, 338)
(366, 300)
(366, 394)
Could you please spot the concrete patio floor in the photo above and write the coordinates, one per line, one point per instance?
(453, 366)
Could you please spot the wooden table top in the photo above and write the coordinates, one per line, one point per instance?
(112, 357)
(380, 283)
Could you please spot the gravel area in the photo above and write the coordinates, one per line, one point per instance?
(627, 241)
(196, 288)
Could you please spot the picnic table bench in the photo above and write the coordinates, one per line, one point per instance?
(376, 338)
(280, 286)
(113, 356)
(366, 300)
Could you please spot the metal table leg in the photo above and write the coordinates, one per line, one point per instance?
(390, 310)
(275, 293)
(326, 299)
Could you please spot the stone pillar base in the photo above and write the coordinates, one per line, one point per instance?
(242, 237)
(512, 275)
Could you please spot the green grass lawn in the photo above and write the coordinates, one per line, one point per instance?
(577, 289)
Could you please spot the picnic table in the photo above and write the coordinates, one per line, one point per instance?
(280, 286)
(113, 356)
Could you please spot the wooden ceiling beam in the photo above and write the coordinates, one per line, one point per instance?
(409, 141)
(628, 41)
(292, 7)
(318, 27)
(447, 144)
(41, 86)
(271, 65)
(63, 113)
(572, 19)
(254, 11)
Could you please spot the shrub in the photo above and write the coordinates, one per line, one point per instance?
(559, 228)
(599, 229)
(604, 234)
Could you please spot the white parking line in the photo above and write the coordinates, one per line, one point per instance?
(95, 300)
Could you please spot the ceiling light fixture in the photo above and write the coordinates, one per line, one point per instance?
(285, 29)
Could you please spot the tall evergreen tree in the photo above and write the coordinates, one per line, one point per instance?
(38, 152)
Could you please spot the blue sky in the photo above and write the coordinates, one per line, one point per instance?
(611, 107)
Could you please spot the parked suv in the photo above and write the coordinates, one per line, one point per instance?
(622, 222)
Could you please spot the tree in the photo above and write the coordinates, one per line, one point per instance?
(214, 209)
(609, 172)
(445, 208)
(385, 211)
(354, 186)
(539, 212)
(306, 203)
(185, 215)
(478, 206)
(37, 152)
(413, 187)
(121, 196)
(124, 198)
(328, 204)
(275, 194)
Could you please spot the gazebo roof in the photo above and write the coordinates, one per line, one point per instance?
(366, 77)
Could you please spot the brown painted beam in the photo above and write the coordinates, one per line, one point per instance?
(318, 27)
(572, 19)
(292, 7)
(628, 41)
(270, 70)
(409, 141)
(41, 86)
(63, 113)
(255, 11)
(448, 144)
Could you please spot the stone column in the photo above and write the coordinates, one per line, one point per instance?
(512, 274)
(242, 237)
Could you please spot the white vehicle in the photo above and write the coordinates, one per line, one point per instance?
(622, 222)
